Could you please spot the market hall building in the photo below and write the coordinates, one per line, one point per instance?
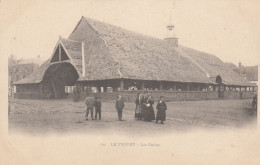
(113, 60)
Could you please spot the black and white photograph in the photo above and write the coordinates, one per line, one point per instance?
(160, 78)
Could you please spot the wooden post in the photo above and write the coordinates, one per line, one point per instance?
(59, 52)
(54, 89)
(161, 86)
(40, 90)
(98, 89)
(105, 88)
(83, 58)
(174, 86)
(188, 87)
(142, 85)
(121, 84)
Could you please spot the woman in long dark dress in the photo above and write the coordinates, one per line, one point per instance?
(149, 111)
(138, 108)
(161, 110)
(144, 99)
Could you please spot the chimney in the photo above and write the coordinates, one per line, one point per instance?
(171, 37)
(240, 68)
(83, 58)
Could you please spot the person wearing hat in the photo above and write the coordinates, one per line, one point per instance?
(119, 106)
(161, 110)
(98, 108)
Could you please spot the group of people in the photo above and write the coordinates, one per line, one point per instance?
(144, 108)
(94, 103)
(143, 111)
(91, 103)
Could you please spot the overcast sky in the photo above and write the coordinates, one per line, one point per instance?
(229, 29)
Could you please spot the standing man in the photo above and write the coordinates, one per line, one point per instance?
(98, 108)
(119, 106)
(90, 103)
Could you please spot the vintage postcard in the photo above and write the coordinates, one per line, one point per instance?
(129, 82)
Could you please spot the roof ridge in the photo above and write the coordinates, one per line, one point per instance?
(130, 31)
(76, 26)
(70, 40)
(104, 41)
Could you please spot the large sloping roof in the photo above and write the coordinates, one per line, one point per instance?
(214, 66)
(133, 56)
(111, 52)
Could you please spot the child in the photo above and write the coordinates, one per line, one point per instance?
(98, 108)
(161, 107)
(119, 106)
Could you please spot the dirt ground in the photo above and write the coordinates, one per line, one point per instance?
(41, 117)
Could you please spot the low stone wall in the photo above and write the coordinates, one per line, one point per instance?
(238, 94)
(26, 95)
(130, 96)
(104, 95)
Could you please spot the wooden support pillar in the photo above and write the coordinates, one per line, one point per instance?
(121, 84)
(99, 88)
(59, 52)
(54, 89)
(105, 88)
(188, 87)
(161, 86)
(114, 89)
(142, 85)
(174, 86)
(83, 58)
(39, 91)
(214, 87)
(226, 88)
